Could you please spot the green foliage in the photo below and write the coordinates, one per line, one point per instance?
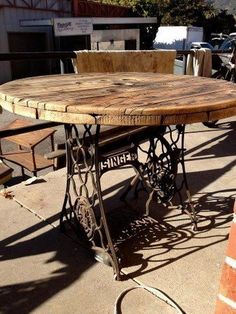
(170, 12)
(187, 12)
(196, 13)
(220, 23)
(145, 7)
(184, 12)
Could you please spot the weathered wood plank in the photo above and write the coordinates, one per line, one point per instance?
(66, 117)
(120, 98)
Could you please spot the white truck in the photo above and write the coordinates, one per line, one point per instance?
(177, 37)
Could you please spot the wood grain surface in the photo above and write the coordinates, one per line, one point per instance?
(120, 98)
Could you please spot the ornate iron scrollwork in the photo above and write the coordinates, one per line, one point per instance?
(164, 155)
(80, 164)
(83, 205)
(160, 168)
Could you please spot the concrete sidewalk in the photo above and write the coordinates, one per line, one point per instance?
(45, 271)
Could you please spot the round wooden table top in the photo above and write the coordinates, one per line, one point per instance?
(120, 98)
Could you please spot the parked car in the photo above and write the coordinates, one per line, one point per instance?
(217, 39)
(216, 61)
(227, 44)
(201, 44)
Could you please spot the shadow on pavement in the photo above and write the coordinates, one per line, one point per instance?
(170, 238)
(171, 233)
(26, 296)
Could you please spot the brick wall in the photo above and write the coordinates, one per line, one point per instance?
(226, 300)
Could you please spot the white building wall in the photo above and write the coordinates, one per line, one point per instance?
(100, 37)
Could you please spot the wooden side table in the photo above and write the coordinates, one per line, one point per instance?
(5, 173)
(25, 155)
